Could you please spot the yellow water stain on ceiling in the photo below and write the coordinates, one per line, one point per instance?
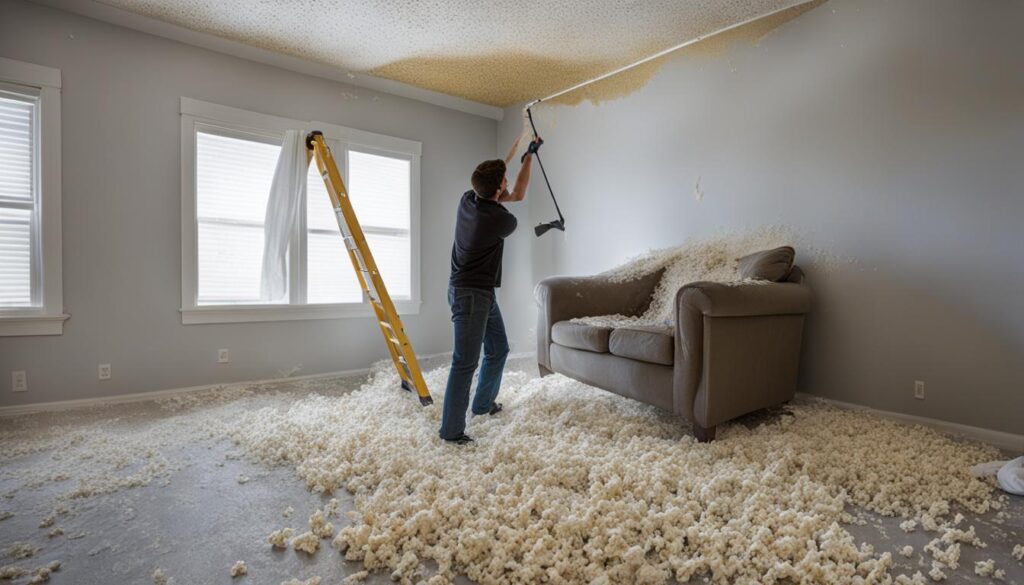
(490, 52)
(631, 80)
(510, 78)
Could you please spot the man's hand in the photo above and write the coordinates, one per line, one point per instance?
(534, 145)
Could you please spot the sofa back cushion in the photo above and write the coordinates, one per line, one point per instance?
(773, 265)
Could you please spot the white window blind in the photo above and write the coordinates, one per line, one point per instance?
(233, 176)
(18, 197)
(380, 188)
(330, 277)
(380, 191)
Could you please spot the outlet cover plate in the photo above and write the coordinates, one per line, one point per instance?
(19, 381)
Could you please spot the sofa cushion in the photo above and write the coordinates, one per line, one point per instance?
(654, 344)
(650, 383)
(581, 336)
(773, 265)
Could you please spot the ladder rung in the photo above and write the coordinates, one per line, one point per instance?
(386, 324)
(395, 341)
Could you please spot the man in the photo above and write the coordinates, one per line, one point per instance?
(481, 226)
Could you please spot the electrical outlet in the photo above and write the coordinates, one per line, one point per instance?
(104, 370)
(19, 381)
(222, 356)
(919, 389)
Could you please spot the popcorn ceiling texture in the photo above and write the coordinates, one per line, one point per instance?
(498, 54)
(504, 79)
(569, 484)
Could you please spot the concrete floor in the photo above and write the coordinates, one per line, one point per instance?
(196, 522)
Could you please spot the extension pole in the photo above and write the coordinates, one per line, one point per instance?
(664, 52)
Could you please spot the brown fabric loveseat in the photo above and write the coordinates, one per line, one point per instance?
(733, 349)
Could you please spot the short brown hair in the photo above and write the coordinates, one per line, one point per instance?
(487, 178)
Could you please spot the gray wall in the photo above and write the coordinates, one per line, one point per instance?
(121, 211)
(891, 133)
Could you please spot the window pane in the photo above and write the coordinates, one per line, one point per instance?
(230, 263)
(380, 189)
(17, 187)
(233, 178)
(15, 257)
(17, 126)
(319, 213)
(392, 254)
(329, 273)
(331, 276)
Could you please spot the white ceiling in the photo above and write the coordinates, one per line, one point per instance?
(485, 42)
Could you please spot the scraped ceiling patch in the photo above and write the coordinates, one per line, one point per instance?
(495, 53)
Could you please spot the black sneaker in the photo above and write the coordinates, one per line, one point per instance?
(495, 409)
(461, 439)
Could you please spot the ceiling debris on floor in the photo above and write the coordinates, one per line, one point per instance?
(494, 53)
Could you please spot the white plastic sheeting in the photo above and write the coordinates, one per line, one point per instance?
(286, 193)
(1009, 474)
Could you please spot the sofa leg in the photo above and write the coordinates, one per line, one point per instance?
(543, 370)
(703, 435)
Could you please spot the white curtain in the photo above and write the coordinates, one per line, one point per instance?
(286, 192)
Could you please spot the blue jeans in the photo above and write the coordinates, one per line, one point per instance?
(477, 322)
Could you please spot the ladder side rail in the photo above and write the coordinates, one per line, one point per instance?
(362, 260)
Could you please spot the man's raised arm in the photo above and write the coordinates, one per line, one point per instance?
(515, 143)
(522, 180)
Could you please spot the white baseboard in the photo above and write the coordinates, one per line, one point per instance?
(1009, 441)
(155, 394)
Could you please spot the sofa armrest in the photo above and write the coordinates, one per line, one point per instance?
(716, 299)
(756, 329)
(560, 298)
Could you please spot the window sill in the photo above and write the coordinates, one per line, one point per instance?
(262, 313)
(24, 324)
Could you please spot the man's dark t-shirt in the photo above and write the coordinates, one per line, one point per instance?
(481, 227)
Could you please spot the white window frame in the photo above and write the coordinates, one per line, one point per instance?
(47, 316)
(196, 114)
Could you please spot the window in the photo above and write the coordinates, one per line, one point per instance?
(380, 190)
(233, 176)
(228, 162)
(30, 273)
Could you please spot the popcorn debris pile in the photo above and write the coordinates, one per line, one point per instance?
(572, 484)
(568, 484)
(712, 260)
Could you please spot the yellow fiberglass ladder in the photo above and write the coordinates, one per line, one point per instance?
(366, 270)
